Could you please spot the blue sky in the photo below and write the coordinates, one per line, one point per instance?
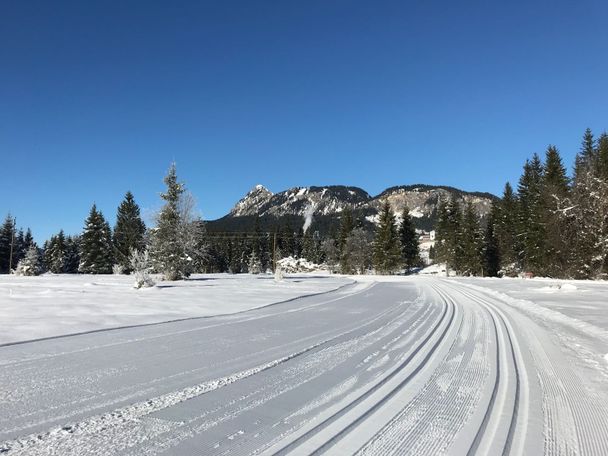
(97, 98)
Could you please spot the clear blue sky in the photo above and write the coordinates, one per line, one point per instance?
(97, 98)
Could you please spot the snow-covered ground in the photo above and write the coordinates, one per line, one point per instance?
(53, 305)
(385, 366)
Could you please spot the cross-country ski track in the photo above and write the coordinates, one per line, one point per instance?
(420, 366)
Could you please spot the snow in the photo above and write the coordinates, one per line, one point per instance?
(416, 213)
(437, 269)
(387, 365)
(53, 305)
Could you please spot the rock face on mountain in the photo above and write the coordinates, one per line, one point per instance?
(295, 201)
(422, 201)
(323, 206)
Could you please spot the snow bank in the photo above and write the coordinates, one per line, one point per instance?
(53, 305)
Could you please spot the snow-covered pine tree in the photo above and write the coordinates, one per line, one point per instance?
(128, 233)
(178, 242)
(55, 253)
(386, 249)
(410, 246)
(29, 265)
(96, 245)
(167, 248)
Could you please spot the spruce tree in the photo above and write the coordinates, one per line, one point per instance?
(470, 258)
(448, 235)
(7, 245)
(29, 265)
(96, 245)
(531, 228)
(72, 254)
(346, 227)
(505, 229)
(168, 252)
(556, 216)
(386, 250)
(491, 249)
(585, 159)
(602, 157)
(55, 253)
(410, 247)
(128, 233)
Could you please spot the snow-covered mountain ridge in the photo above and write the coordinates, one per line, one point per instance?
(422, 200)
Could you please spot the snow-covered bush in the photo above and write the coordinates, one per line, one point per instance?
(118, 269)
(30, 264)
(291, 265)
(140, 263)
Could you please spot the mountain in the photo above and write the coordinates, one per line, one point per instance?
(326, 203)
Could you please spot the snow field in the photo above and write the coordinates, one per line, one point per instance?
(417, 365)
(54, 305)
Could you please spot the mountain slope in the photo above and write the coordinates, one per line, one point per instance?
(326, 203)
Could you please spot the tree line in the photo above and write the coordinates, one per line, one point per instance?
(553, 225)
(179, 245)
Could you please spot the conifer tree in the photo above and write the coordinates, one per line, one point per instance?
(357, 248)
(55, 253)
(168, 250)
(556, 215)
(72, 254)
(128, 233)
(448, 235)
(386, 250)
(96, 245)
(586, 158)
(7, 244)
(29, 265)
(531, 228)
(505, 220)
(470, 259)
(491, 249)
(602, 157)
(410, 247)
(346, 228)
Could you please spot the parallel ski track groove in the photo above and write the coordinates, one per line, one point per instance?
(495, 314)
(448, 305)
